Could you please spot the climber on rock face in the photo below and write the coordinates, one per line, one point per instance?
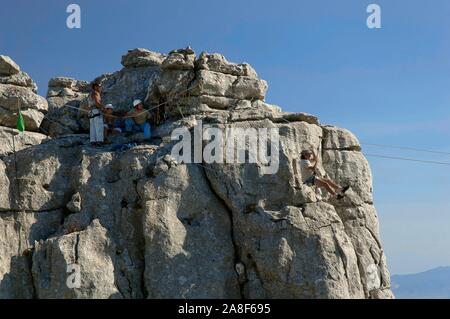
(137, 120)
(310, 176)
(96, 108)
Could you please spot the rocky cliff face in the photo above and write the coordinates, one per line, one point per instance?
(140, 224)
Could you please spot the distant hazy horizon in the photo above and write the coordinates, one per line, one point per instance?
(421, 272)
(434, 283)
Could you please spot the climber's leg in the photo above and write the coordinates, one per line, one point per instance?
(332, 184)
(319, 182)
(336, 187)
(147, 130)
(340, 190)
(129, 123)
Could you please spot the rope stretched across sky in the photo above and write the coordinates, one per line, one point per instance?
(407, 159)
(407, 148)
(403, 148)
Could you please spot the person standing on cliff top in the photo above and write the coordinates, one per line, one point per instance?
(96, 108)
(310, 176)
(137, 120)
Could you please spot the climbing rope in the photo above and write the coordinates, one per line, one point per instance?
(407, 148)
(407, 159)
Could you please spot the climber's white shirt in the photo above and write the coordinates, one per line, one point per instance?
(305, 170)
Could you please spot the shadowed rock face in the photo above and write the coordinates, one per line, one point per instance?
(139, 224)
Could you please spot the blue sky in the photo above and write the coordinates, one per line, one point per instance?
(388, 86)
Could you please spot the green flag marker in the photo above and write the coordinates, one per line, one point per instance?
(20, 122)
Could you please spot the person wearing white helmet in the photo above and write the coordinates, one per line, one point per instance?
(137, 119)
(110, 123)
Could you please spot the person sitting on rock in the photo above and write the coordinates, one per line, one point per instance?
(310, 176)
(111, 126)
(137, 120)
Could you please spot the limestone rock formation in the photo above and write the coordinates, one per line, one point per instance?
(19, 232)
(18, 91)
(134, 222)
(19, 79)
(12, 98)
(64, 97)
(142, 58)
(8, 66)
(122, 87)
(22, 140)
